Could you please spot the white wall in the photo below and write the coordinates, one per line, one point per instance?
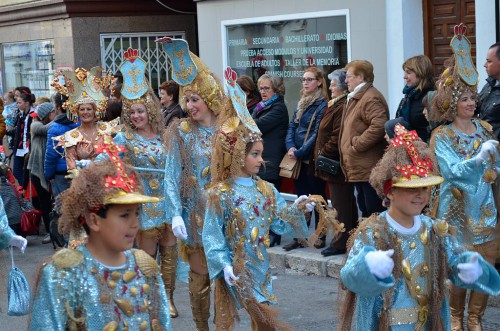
(367, 18)
(485, 35)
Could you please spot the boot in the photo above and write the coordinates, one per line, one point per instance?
(477, 306)
(199, 293)
(168, 265)
(457, 306)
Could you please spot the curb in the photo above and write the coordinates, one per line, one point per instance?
(310, 262)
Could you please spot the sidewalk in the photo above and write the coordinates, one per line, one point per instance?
(309, 261)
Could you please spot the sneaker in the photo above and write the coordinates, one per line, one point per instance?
(46, 239)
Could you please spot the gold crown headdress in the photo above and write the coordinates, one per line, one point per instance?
(407, 163)
(193, 75)
(237, 130)
(136, 89)
(83, 86)
(459, 76)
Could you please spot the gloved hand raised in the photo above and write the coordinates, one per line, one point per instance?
(179, 228)
(19, 242)
(229, 276)
(380, 263)
(83, 163)
(470, 272)
(487, 148)
(302, 198)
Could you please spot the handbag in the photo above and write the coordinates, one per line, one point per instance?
(327, 165)
(19, 292)
(290, 168)
(30, 217)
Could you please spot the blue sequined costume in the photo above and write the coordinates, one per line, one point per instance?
(411, 290)
(78, 291)
(456, 155)
(147, 156)
(187, 175)
(244, 210)
(6, 233)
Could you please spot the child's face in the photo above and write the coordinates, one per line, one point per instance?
(253, 160)
(408, 201)
(118, 229)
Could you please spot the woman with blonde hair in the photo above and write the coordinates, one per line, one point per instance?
(301, 138)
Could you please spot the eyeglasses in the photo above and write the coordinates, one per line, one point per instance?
(264, 88)
(307, 80)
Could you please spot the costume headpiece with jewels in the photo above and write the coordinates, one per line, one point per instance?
(459, 76)
(136, 89)
(83, 86)
(103, 183)
(237, 129)
(193, 75)
(408, 163)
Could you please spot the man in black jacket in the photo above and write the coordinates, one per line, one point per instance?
(489, 97)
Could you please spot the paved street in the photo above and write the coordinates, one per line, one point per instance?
(306, 302)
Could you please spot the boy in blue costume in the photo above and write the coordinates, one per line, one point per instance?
(399, 261)
(104, 284)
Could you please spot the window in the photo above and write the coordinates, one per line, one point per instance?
(29, 64)
(113, 46)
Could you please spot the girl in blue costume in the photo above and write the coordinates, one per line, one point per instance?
(144, 150)
(466, 152)
(7, 235)
(187, 175)
(103, 284)
(241, 210)
(399, 261)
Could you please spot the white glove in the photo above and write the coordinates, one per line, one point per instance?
(310, 206)
(487, 148)
(179, 228)
(229, 276)
(83, 163)
(19, 242)
(469, 272)
(380, 263)
(300, 199)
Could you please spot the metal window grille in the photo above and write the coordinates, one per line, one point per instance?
(158, 69)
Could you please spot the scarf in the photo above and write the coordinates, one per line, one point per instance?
(305, 102)
(409, 92)
(263, 104)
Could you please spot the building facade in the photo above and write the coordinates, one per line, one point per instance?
(38, 37)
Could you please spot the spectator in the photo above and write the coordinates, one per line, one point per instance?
(248, 86)
(21, 135)
(489, 97)
(327, 144)
(271, 117)
(3, 127)
(169, 98)
(55, 164)
(39, 127)
(362, 133)
(419, 77)
(310, 109)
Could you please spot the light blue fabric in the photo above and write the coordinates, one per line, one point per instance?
(357, 278)
(82, 286)
(9, 112)
(456, 154)
(6, 233)
(187, 176)
(258, 212)
(148, 155)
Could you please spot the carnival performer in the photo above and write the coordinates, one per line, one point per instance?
(241, 210)
(187, 166)
(87, 103)
(466, 152)
(399, 261)
(103, 284)
(144, 150)
(7, 235)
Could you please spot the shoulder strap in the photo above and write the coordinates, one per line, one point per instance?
(310, 124)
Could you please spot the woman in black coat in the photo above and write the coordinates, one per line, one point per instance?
(419, 79)
(271, 116)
